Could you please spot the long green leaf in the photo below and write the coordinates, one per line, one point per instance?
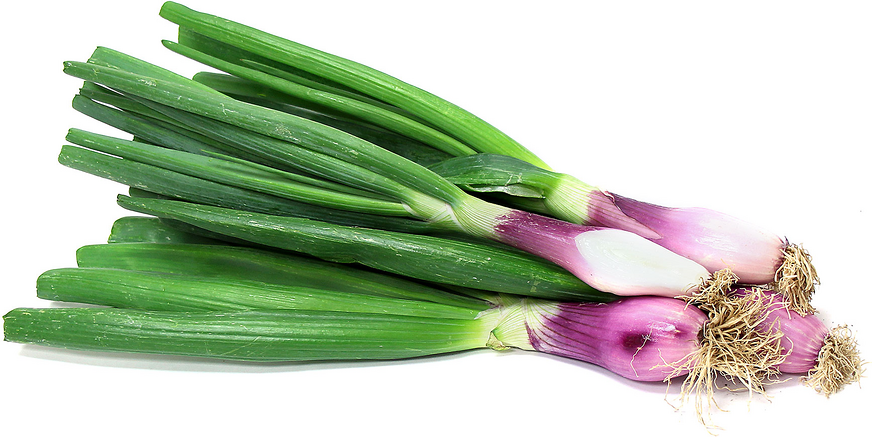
(159, 129)
(375, 114)
(282, 155)
(248, 335)
(448, 117)
(185, 96)
(236, 55)
(156, 291)
(423, 257)
(257, 94)
(246, 176)
(172, 184)
(488, 172)
(252, 265)
(144, 123)
(138, 229)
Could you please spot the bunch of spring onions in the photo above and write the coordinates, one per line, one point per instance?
(298, 152)
(168, 289)
(488, 160)
(377, 182)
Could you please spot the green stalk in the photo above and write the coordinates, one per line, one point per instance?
(375, 114)
(248, 335)
(137, 229)
(446, 116)
(186, 96)
(257, 94)
(227, 293)
(146, 124)
(483, 266)
(485, 172)
(210, 138)
(228, 263)
(283, 155)
(236, 55)
(292, 77)
(176, 185)
(242, 58)
(126, 106)
(178, 227)
(250, 91)
(247, 176)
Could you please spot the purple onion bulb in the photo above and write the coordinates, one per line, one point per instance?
(640, 338)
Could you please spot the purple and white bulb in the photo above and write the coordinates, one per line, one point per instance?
(640, 338)
(712, 239)
(830, 359)
(610, 260)
(749, 336)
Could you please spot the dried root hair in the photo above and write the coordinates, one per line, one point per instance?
(734, 344)
(713, 290)
(796, 279)
(838, 363)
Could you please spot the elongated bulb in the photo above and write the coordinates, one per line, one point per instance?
(610, 260)
(627, 264)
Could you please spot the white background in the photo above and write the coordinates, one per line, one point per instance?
(759, 109)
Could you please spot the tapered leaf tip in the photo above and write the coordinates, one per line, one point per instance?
(79, 101)
(44, 283)
(70, 133)
(170, 9)
(86, 250)
(8, 321)
(64, 157)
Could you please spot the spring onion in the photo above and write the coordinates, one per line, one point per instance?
(223, 313)
(250, 265)
(307, 208)
(829, 358)
(460, 263)
(609, 260)
(644, 338)
(258, 94)
(245, 335)
(449, 118)
(239, 303)
(710, 238)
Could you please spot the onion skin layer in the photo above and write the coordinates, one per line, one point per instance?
(711, 238)
(609, 260)
(640, 338)
(802, 336)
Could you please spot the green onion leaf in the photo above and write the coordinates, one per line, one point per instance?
(441, 260)
(449, 118)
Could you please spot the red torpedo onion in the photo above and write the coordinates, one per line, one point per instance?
(829, 358)
(416, 192)
(639, 338)
(562, 194)
(711, 238)
(610, 260)
(717, 240)
(644, 338)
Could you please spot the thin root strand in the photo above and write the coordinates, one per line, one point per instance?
(838, 364)
(732, 344)
(796, 279)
